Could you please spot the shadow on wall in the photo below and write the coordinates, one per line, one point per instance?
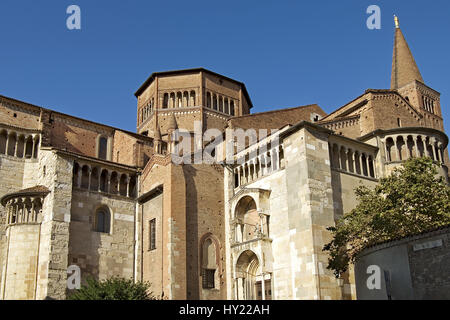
(192, 240)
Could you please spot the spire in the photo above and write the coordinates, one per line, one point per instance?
(404, 67)
(172, 124)
(157, 134)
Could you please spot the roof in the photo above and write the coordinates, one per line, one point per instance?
(134, 134)
(193, 70)
(28, 192)
(275, 119)
(404, 67)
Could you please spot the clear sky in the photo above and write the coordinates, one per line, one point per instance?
(288, 53)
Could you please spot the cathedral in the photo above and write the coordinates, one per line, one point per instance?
(115, 203)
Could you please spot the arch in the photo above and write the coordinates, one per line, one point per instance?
(193, 101)
(104, 181)
(351, 164)
(12, 138)
(210, 261)
(420, 146)
(29, 147)
(247, 269)
(3, 139)
(36, 147)
(389, 148)
(249, 225)
(95, 179)
(401, 146)
(114, 183)
(20, 146)
(232, 111)
(123, 185)
(429, 148)
(172, 100)
(365, 171)
(358, 163)
(75, 173)
(132, 187)
(410, 146)
(186, 99)
(226, 107)
(214, 102)
(179, 101)
(102, 221)
(371, 167)
(165, 104)
(220, 103)
(208, 99)
(85, 177)
(282, 162)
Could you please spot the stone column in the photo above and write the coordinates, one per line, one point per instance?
(108, 179)
(397, 151)
(425, 148)
(34, 146)
(441, 152)
(416, 148)
(79, 175)
(263, 287)
(275, 159)
(7, 142)
(99, 177)
(89, 178)
(386, 151)
(128, 185)
(433, 149)
(367, 166)
(17, 145)
(8, 217)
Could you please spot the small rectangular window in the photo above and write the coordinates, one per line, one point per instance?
(152, 235)
(208, 278)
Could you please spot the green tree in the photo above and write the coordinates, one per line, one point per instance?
(115, 288)
(413, 199)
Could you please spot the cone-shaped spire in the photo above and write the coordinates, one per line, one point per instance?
(404, 67)
(172, 125)
(157, 134)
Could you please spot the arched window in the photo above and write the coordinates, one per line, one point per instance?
(209, 264)
(102, 148)
(208, 100)
(102, 220)
(3, 138)
(165, 101)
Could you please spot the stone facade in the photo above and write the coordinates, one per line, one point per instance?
(114, 203)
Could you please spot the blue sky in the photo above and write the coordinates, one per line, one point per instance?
(288, 53)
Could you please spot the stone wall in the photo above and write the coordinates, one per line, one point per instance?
(11, 173)
(101, 255)
(412, 268)
(19, 282)
(310, 212)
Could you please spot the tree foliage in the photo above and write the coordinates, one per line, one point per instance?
(115, 288)
(413, 199)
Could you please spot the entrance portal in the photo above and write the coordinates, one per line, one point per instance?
(249, 281)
